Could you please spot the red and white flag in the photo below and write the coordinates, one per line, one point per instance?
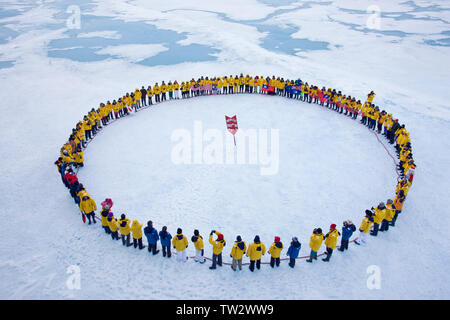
(232, 126)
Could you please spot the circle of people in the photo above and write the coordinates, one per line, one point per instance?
(374, 220)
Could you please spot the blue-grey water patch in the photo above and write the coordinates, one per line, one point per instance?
(6, 64)
(4, 13)
(84, 48)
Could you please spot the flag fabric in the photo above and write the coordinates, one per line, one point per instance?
(232, 125)
(206, 87)
(293, 89)
(195, 87)
(214, 87)
(323, 97)
(267, 88)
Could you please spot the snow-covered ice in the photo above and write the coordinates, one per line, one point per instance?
(331, 168)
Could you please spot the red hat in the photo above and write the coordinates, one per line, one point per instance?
(277, 239)
(220, 236)
(333, 226)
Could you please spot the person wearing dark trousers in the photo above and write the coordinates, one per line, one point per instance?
(152, 237)
(143, 96)
(293, 251)
(380, 212)
(218, 245)
(165, 238)
(136, 230)
(255, 250)
(124, 227)
(88, 207)
(391, 133)
(104, 216)
(331, 241)
(275, 252)
(113, 227)
(347, 232)
(398, 203)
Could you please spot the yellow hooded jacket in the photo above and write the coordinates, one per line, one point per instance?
(331, 239)
(275, 249)
(217, 244)
(180, 242)
(315, 242)
(124, 226)
(238, 250)
(256, 250)
(136, 229)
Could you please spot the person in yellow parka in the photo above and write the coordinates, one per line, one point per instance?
(315, 243)
(237, 252)
(136, 230)
(197, 239)
(330, 241)
(113, 227)
(380, 212)
(104, 216)
(88, 207)
(180, 243)
(255, 251)
(390, 212)
(275, 252)
(364, 228)
(218, 245)
(124, 227)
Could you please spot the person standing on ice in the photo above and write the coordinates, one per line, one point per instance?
(88, 207)
(331, 241)
(180, 243)
(113, 227)
(136, 230)
(364, 228)
(293, 251)
(104, 216)
(275, 252)
(347, 232)
(390, 212)
(255, 251)
(124, 227)
(197, 239)
(380, 212)
(399, 200)
(143, 96)
(218, 245)
(152, 237)
(165, 242)
(107, 202)
(237, 252)
(314, 243)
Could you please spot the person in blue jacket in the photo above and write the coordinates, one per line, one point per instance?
(293, 251)
(165, 238)
(152, 237)
(347, 232)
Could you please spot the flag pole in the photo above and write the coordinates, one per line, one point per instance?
(234, 137)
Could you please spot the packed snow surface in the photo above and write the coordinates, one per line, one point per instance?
(55, 68)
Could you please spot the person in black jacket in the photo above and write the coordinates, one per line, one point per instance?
(391, 133)
(143, 96)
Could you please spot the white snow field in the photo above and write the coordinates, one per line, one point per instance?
(55, 67)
